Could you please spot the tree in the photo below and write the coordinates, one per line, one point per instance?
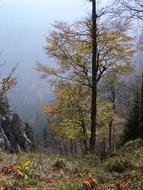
(29, 133)
(6, 84)
(131, 128)
(71, 47)
(69, 116)
(134, 9)
(94, 78)
(113, 85)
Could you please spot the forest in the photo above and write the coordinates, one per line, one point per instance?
(78, 125)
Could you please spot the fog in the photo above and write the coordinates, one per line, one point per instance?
(24, 25)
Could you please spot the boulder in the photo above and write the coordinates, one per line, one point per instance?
(12, 136)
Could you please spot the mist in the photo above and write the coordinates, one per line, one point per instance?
(24, 26)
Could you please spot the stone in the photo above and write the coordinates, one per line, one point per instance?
(12, 136)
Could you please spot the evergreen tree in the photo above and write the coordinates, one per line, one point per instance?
(131, 129)
(141, 112)
(5, 110)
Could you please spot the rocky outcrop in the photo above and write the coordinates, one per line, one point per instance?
(12, 136)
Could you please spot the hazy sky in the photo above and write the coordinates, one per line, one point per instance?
(24, 24)
(23, 27)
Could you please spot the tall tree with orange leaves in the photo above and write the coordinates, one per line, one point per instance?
(70, 48)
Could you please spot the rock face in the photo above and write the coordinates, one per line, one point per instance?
(12, 136)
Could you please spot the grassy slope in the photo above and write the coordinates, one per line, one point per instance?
(122, 172)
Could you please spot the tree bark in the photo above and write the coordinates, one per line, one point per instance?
(85, 138)
(71, 147)
(94, 77)
(65, 149)
(110, 136)
(85, 146)
(75, 148)
(60, 148)
(104, 146)
(113, 148)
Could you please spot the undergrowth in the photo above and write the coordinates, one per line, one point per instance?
(124, 171)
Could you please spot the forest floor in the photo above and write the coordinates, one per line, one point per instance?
(123, 171)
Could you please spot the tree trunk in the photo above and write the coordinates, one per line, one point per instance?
(65, 150)
(94, 77)
(104, 146)
(60, 148)
(85, 146)
(113, 148)
(85, 138)
(75, 148)
(110, 136)
(81, 147)
(71, 147)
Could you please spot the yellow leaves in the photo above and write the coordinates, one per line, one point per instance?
(48, 70)
(70, 47)
(17, 169)
(123, 69)
(26, 165)
(70, 109)
(105, 113)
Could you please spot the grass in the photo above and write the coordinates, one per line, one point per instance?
(124, 171)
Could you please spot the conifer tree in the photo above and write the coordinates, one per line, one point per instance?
(131, 128)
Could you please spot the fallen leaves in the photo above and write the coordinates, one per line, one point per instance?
(16, 169)
(20, 172)
(90, 182)
(1, 157)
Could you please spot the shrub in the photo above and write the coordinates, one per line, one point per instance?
(118, 165)
(59, 164)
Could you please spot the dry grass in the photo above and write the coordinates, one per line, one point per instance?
(40, 172)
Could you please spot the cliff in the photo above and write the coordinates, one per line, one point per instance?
(12, 136)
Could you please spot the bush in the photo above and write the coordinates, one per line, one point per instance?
(118, 165)
(59, 164)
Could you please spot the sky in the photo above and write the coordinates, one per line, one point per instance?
(24, 25)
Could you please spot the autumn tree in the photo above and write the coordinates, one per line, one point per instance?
(69, 115)
(6, 84)
(70, 49)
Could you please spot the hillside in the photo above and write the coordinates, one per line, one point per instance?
(123, 171)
